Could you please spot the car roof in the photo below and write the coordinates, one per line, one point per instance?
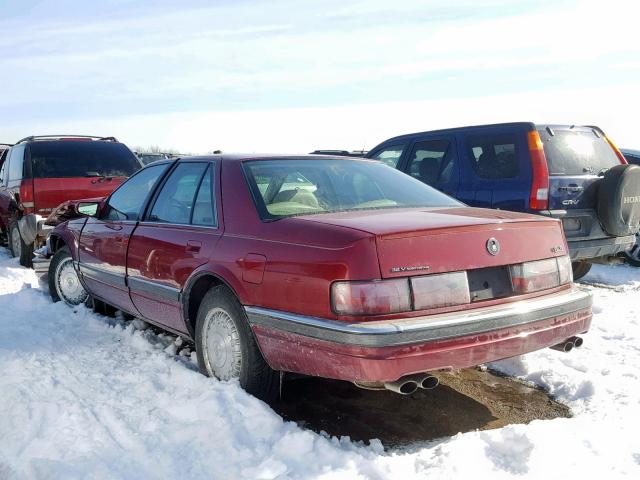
(629, 151)
(528, 125)
(239, 157)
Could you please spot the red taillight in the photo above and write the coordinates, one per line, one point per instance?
(618, 152)
(26, 196)
(541, 274)
(371, 298)
(539, 197)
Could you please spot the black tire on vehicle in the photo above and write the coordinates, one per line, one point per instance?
(101, 308)
(226, 347)
(13, 239)
(26, 254)
(619, 200)
(580, 269)
(64, 284)
(632, 256)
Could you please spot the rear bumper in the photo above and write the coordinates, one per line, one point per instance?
(603, 247)
(388, 350)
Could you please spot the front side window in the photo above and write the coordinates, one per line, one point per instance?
(432, 162)
(127, 201)
(175, 201)
(390, 155)
(494, 156)
(283, 188)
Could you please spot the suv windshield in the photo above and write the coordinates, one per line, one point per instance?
(63, 159)
(283, 188)
(577, 152)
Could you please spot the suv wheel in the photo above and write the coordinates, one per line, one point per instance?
(64, 284)
(580, 269)
(226, 347)
(15, 242)
(632, 256)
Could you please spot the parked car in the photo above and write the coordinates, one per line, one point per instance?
(340, 153)
(333, 267)
(147, 158)
(572, 173)
(38, 173)
(632, 256)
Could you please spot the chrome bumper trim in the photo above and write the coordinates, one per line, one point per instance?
(41, 264)
(426, 328)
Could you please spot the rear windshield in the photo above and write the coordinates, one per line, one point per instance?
(284, 188)
(577, 152)
(62, 159)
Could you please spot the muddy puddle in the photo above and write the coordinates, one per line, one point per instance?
(465, 400)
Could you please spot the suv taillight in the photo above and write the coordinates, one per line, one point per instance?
(26, 196)
(539, 197)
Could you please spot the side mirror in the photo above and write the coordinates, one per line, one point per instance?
(89, 209)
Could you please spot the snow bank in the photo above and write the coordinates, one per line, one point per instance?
(83, 396)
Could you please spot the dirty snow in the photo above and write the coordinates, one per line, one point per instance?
(86, 397)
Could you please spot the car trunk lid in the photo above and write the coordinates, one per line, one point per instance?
(423, 241)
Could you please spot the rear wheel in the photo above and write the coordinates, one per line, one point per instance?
(226, 347)
(580, 269)
(15, 242)
(64, 284)
(632, 256)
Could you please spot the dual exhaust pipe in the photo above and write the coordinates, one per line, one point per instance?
(569, 344)
(409, 384)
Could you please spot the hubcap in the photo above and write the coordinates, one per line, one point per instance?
(69, 288)
(16, 244)
(222, 353)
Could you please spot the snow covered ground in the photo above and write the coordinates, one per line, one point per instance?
(83, 397)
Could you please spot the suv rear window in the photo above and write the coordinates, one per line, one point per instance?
(577, 152)
(64, 159)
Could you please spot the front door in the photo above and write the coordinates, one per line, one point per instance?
(103, 244)
(178, 235)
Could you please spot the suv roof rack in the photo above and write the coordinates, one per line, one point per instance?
(61, 137)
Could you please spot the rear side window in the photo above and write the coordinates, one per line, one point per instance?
(64, 159)
(175, 201)
(16, 163)
(431, 162)
(494, 156)
(577, 152)
(390, 155)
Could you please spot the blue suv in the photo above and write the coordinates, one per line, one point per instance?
(573, 173)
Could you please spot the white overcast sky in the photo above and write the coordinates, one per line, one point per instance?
(294, 75)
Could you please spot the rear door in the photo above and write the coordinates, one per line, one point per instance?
(496, 170)
(434, 161)
(103, 244)
(178, 234)
(71, 170)
(576, 158)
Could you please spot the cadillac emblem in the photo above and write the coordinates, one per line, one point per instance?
(493, 246)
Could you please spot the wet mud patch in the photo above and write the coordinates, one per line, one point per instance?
(466, 400)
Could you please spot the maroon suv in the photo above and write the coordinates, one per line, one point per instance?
(39, 173)
(334, 267)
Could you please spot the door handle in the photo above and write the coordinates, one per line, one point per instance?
(113, 226)
(193, 246)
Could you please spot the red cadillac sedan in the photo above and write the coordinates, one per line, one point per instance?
(335, 267)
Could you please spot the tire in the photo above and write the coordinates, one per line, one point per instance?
(632, 256)
(26, 254)
(64, 284)
(619, 200)
(101, 308)
(580, 269)
(14, 240)
(226, 347)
